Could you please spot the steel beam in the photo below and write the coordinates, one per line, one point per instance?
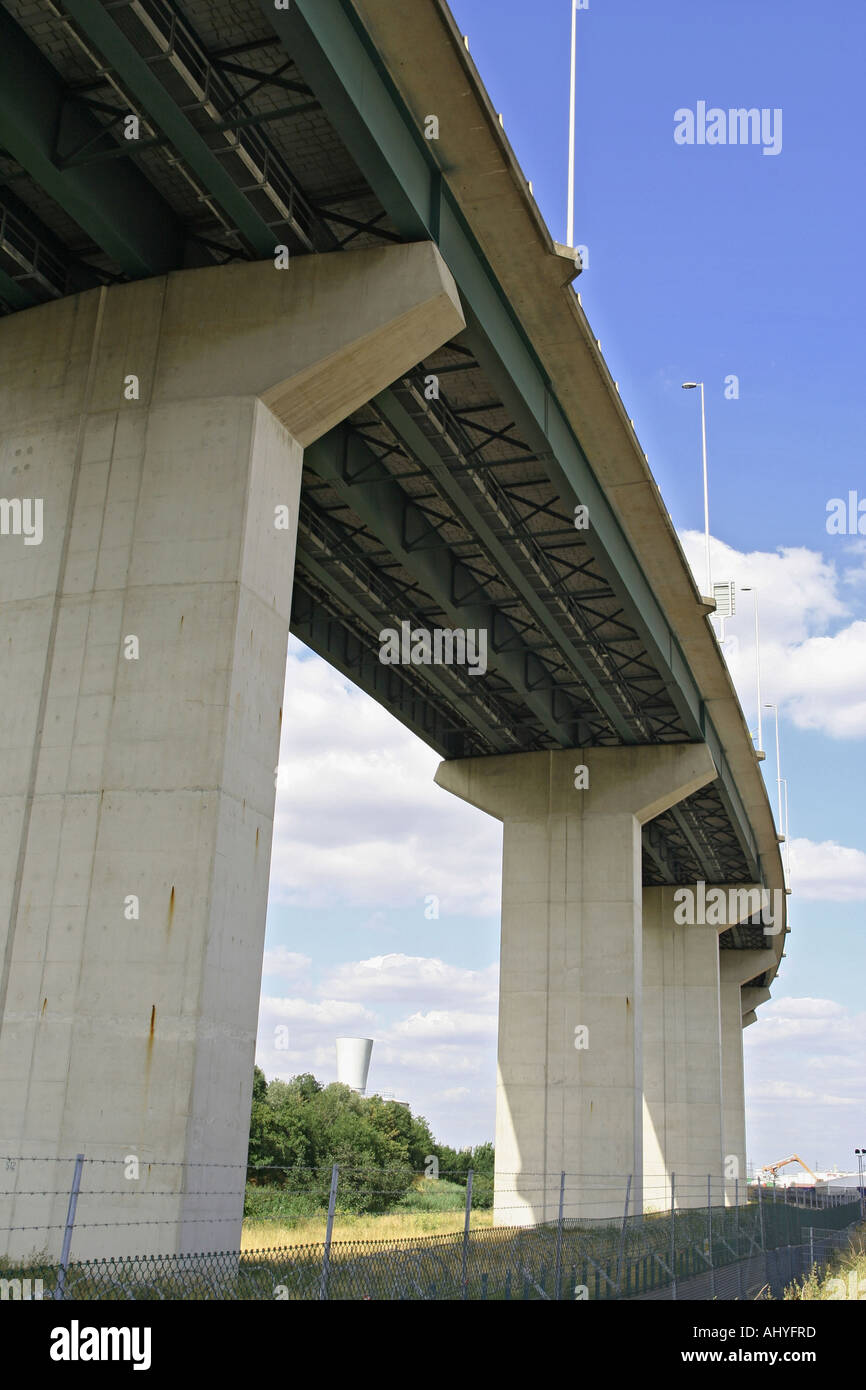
(386, 510)
(422, 448)
(657, 848)
(135, 74)
(331, 637)
(116, 207)
(315, 564)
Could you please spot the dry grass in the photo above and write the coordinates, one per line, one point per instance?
(310, 1230)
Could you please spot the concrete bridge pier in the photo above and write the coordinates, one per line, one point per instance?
(694, 1122)
(736, 968)
(162, 426)
(570, 1083)
(683, 1132)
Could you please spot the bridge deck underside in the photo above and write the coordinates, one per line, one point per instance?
(444, 512)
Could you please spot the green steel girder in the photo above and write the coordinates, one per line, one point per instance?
(135, 74)
(703, 855)
(331, 637)
(116, 207)
(389, 514)
(16, 296)
(419, 445)
(341, 66)
(312, 564)
(657, 848)
(158, 142)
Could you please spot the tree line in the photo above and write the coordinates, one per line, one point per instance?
(299, 1129)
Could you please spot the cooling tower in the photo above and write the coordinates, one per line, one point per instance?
(353, 1062)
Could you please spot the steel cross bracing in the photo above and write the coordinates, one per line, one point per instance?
(511, 502)
(209, 178)
(166, 70)
(367, 596)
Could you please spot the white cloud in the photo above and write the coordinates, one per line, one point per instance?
(824, 682)
(828, 871)
(283, 964)
(358, 818)
(414, 979)
(324, 1012)
(446, 1026)
(813, 647)
(804, 1081)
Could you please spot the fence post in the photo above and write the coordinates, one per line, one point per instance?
(761, 1217)
(621, 1250)
(811, 1248)
(558, 1276)
(329, 1230)
(737, 1213)
(60, 1289)
(673, 1241)
(466, 1229)
(710, 1234)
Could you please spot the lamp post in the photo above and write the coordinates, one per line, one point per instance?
(787, 838)
(747, 589)
(775, 709)
(692, 386)
(571, 120)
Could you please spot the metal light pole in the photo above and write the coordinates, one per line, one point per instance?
(787, 838)
(747, 589)
(691, 386)
(775, 708)
(571, 120)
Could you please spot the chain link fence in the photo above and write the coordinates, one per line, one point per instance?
(720, 1250)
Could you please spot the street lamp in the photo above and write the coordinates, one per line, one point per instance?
(775, 708)
(759, 751)
(692, 386)
(787, 839)
(571, 119)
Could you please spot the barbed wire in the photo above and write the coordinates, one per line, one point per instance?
(552, 1173)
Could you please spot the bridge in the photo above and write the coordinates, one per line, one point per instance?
(288, 347)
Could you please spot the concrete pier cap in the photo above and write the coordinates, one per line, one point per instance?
(639, 780)
(313, 342)
(739, 967)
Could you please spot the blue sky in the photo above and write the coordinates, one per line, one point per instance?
(704, 261)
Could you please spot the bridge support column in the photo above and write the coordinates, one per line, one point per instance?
(683, 1131)
(736, 968)
(570, 1083)
(734, 1091)
(162, 426)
